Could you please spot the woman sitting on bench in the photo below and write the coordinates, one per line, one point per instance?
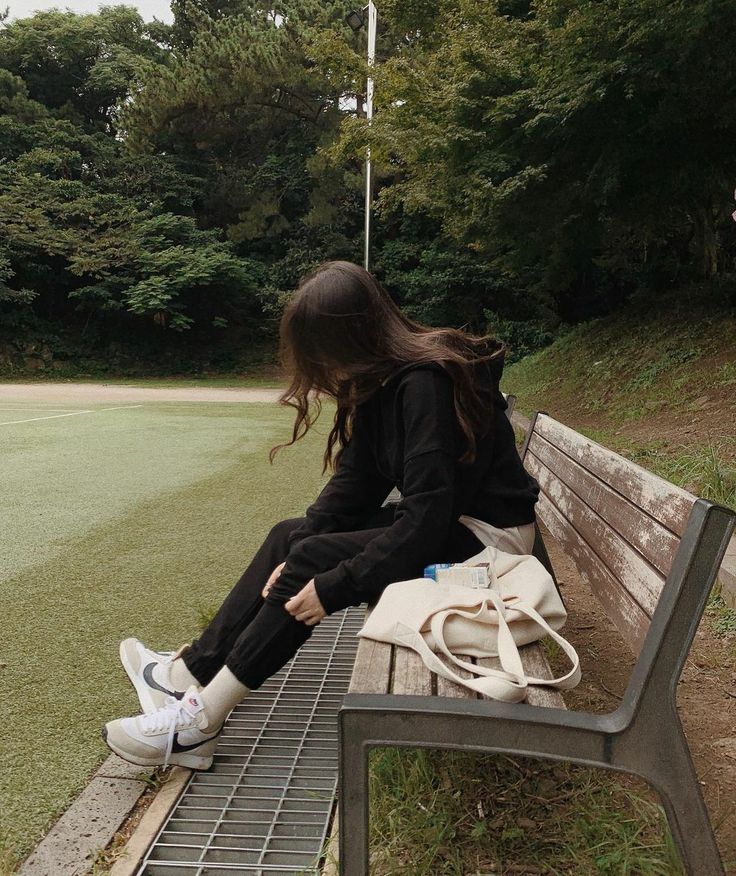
(416, 408)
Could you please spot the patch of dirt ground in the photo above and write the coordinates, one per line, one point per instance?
(706, 694)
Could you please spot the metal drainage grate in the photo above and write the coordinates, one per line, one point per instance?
(265, 805)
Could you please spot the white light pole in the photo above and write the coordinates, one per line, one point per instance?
(372, 23)
(356, 20)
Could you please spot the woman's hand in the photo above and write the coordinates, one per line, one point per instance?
(305, 606)
(271, 578)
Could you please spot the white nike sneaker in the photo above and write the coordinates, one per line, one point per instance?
(149, 671)
(177, 733)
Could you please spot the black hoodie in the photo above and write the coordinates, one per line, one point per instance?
(407, 435)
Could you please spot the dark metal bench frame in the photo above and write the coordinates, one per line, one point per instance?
(643, 736)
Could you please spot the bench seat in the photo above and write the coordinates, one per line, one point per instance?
(391, 669)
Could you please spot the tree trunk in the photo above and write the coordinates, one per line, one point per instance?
(707, 241)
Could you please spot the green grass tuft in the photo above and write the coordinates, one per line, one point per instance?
(723, 617)
(451, 813)
(9, 857)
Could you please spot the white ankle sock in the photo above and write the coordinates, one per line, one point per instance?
(180, 677)
(221, 696)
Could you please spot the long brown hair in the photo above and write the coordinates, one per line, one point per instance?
(342, 336)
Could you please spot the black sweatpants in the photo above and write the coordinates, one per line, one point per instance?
(254, 636)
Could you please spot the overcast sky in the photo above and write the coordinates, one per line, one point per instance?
(149, 9)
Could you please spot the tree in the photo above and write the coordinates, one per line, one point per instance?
(87, 229)
(83, 67)
(583, 147)
(245, 102)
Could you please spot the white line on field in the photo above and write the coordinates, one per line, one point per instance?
(70, 414)
(31, 409)
(53, 417)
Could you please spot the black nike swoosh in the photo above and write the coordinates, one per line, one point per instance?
(176, 748)
(151, 682)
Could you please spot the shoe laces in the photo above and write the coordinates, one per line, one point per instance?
(170, 719)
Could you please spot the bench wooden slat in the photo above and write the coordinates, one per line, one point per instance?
(653, 541)
(372, 668)
(447, 688)
(410, 675)
(489, 663)
(662, 500)
(631, 571)
(628, 616)
(534, 660)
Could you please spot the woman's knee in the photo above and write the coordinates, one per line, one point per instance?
(281, 531)
(284, 588)
(309, 557)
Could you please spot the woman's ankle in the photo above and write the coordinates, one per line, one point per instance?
(180, 675)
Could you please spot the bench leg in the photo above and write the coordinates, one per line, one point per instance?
(353, 797)
(683, 802)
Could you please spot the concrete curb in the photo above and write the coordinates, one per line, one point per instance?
(90, 822)
(140, 840)
(727, 575)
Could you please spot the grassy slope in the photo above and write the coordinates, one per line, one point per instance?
(659, 386)
(131, 523)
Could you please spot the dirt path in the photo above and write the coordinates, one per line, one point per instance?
(103, 393)
(706, 694)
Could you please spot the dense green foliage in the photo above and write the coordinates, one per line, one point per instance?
(538, 161)
(582, 147)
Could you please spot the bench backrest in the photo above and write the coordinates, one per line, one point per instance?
(620, 524)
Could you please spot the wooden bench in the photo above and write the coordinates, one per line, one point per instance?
(649, 552)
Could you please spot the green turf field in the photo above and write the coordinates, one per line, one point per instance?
(116, 523)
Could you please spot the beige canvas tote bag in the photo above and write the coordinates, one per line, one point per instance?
(520, 605)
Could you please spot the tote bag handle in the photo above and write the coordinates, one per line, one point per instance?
(508, 684)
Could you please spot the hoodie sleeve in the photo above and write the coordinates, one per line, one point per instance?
(355, 491)
(432, 445)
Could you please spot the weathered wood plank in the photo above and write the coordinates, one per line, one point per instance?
(489, 663)
(535, 662)
(447, 688)
(372, 668)
(662, 500)
(629, 568)
(410, 675)
(656, 543)
(628, 616)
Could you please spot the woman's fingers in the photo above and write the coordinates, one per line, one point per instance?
(310, 618)
(295, 603)
(305, 606)
(272, 578)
